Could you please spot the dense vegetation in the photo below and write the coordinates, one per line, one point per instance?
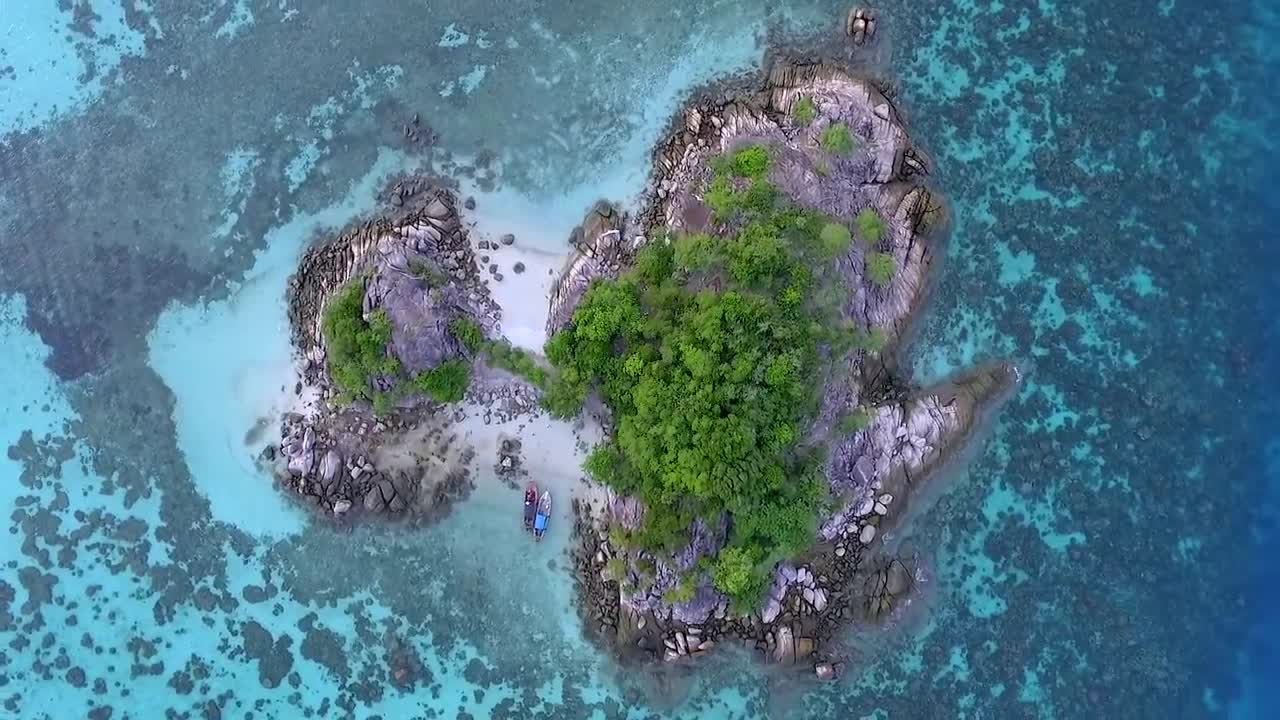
(356, 349)
(706, 352)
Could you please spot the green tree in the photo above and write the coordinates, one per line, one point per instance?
(870, 226)
(468, 332)
(881, 268)
(445, 383)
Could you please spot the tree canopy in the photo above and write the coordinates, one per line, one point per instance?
(707, 352)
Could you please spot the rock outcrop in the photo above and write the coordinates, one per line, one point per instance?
(417, 266)
(598, 252)
(908, 434)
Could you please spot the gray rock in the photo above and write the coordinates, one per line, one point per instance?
(867, 535)
(507, 239)
(897, 579)
(437, 209)
(517, 268)
(330, 464)
(784, 651)
(772, 609)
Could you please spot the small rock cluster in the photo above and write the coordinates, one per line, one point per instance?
(415, 133)
(508, 467)
(328, 463)
(334, 484)
(504, 402)
(860, 25)
(486, 245)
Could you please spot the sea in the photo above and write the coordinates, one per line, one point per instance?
(1110, 166)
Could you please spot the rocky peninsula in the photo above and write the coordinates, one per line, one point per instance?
(738, 339)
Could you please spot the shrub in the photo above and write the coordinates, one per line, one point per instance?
(836, 139)
(445, 383)
(427, 272)
(723, 196)
(881, 268)
(855, 421)
(751, 161)
(835, 239)
(616, 568)
(516, 361)
(873, 340)
(468, 332)
(804, 110)
(736, 575)
(870, 226)
(356, 349)
(683, 592)
(759, 197)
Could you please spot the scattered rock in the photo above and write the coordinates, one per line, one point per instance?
(507, 239)
(517, 268)
(867, 535)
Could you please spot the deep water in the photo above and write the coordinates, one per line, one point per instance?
(1110, 165)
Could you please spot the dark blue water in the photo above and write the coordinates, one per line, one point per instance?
(1110, 166)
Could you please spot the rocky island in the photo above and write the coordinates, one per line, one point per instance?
(737, 338)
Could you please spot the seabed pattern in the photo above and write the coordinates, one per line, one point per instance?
(162, 166)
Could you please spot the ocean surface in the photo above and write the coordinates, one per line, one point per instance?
(1109, 552)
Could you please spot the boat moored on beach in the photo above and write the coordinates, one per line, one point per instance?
(542, 517)
(530, 505)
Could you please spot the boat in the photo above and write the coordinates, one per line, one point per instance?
(530, 505)
(543, 516)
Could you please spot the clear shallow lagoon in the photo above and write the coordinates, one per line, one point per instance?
(161, 167)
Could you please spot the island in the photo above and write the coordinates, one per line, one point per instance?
(739, 338)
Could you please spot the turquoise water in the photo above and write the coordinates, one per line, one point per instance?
(161, 168)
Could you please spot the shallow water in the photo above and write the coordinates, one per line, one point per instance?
(161, 168)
